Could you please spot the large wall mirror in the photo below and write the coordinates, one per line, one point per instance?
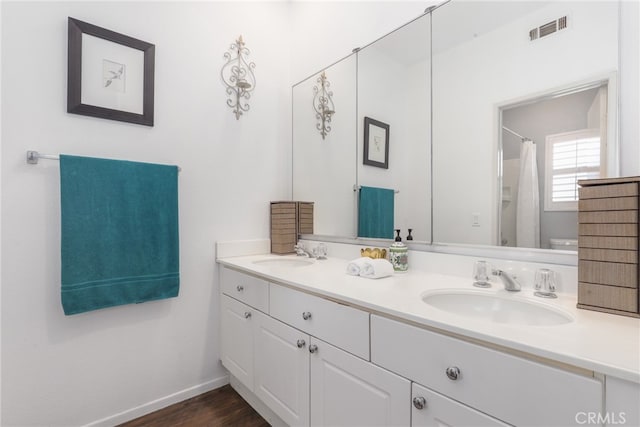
(529, 79)
(394, 87)
(324, 153)
(460, 98)
(387, 83)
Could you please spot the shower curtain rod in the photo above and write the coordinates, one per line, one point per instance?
(33, 156)
(523, 138)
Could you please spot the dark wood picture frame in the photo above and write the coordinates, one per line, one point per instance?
(372, 130)
(74, 77)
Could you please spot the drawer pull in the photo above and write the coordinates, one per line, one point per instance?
(300, 343)
(306, 315)
(240, 288)
(453, 372)
(313, 348)
(247, 314)
(419, 402)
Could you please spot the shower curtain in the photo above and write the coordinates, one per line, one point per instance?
(528, 204)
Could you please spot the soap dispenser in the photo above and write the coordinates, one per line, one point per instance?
(399, 254)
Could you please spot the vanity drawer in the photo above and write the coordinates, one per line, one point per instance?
(510, 388)
(248, 289)
(343, 326)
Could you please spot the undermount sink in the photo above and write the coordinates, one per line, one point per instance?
(510, 309)
(284, 262)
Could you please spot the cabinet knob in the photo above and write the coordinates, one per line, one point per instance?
(313, 348)
(453, 372)
(240, 288)
(306, 315)
(419, 402)
(300, 343)
(247, 314)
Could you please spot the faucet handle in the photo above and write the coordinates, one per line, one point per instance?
(545, 283)
(481, 274)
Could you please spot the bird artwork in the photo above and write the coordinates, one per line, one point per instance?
(114, 75)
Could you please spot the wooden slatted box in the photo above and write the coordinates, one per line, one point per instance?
(608, 246)
(283, 227)
(305, 217)
(288, 220)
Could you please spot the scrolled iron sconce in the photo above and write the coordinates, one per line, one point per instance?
(323, 104)
(237, 75)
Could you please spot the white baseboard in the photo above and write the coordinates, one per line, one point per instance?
(157, 404)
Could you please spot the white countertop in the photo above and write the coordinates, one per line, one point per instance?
(604, 343)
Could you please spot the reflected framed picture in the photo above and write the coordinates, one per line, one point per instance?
(376, 143)
(110, 75)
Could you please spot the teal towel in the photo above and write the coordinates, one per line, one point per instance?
(119, 233)
(375, 212)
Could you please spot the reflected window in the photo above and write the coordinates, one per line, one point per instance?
(570, 157)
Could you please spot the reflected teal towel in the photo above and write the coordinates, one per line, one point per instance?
(119, 232)
(375, 212)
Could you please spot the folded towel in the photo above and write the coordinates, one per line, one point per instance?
(376, 268)
(355, 267)
(119, 233)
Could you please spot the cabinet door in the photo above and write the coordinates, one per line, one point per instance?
(282, 369)
(622, 403)
(348, 391)
(431, 409)
(236, 342)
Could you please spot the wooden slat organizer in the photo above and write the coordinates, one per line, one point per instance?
(288, 220)
(608, 245)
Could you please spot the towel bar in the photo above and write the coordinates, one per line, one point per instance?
(34, 156)
(357, 187)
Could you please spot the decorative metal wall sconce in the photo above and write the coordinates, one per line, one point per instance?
(237, 75)
(323, 104)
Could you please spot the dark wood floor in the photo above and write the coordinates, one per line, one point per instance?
(220, 407)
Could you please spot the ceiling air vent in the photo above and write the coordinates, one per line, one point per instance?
(548, 28)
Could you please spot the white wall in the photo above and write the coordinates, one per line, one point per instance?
(67, 371)
(110, 365)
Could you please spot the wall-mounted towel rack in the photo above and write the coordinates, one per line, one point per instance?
(34, 156)
(357, 187)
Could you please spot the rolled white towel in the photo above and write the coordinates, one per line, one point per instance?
(355, 266)
(376, 268)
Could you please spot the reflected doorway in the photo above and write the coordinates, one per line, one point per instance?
(548, 143)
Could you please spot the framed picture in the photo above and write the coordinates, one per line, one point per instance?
(110, 75)
(376, 143)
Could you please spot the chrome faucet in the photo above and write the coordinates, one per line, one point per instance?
(510, 282)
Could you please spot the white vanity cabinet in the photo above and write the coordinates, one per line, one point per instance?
(431, 409)
(301, 378)
(237, 322)
(512, 389)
